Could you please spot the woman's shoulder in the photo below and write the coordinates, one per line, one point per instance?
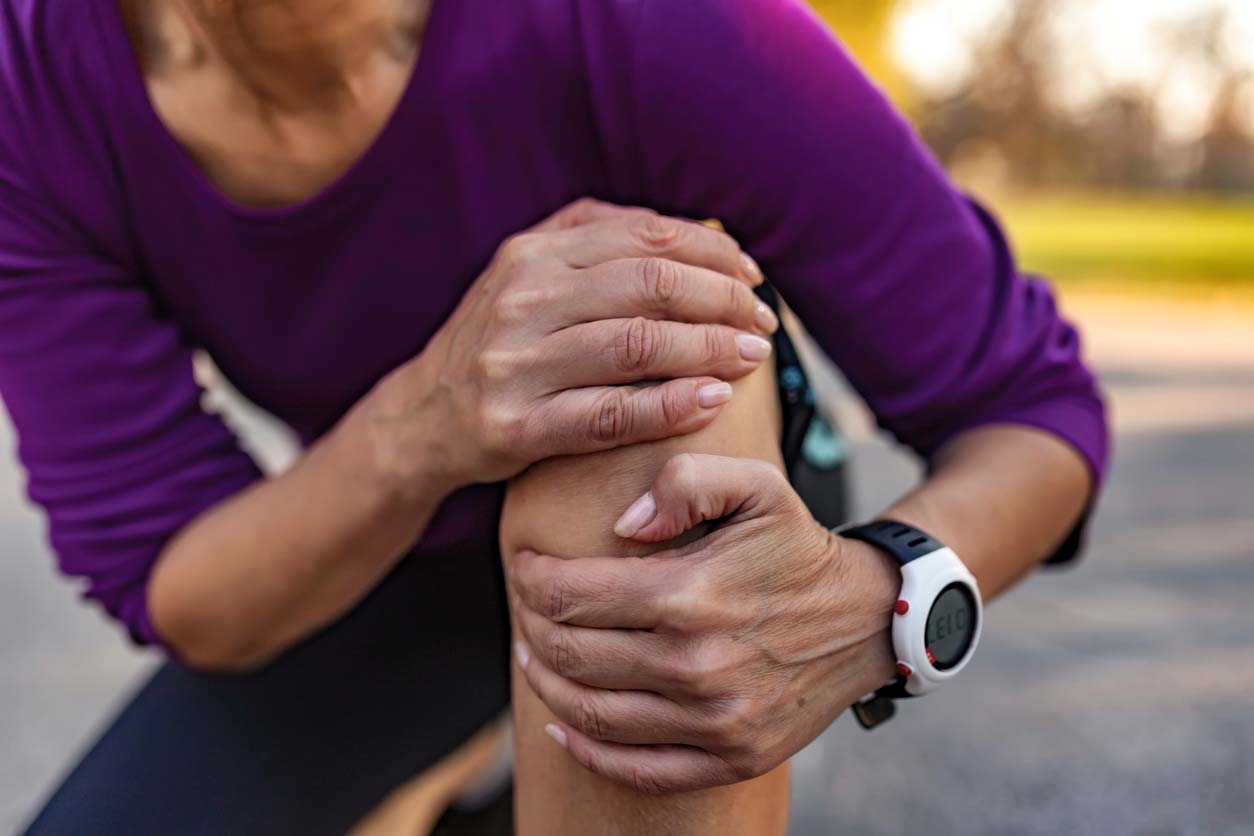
(613, 29)
(665, 49)
(57, 89)
(45, 44)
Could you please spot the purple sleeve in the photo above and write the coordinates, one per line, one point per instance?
(751, 112)
(100, 389)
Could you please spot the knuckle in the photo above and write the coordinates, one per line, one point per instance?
(496, 365)
(683, 473)
(579, 211)
(502, 422)
(773, 479)
(660, 280)
(508, 308)
(583, 205)
(557, 599)
(644, 779)
(560, 654)
(520, 304)
(683, 604)
(684, 674)
(612, 417)
(656, 233)
(638, 345)
(733, 725)
(743, 303)
(704, 673)
(675, 403)
(588, 716)
(716, 343)
(519, 249)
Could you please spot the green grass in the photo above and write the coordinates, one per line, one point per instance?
(1156, 241)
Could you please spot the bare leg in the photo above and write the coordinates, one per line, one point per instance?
(566, 507)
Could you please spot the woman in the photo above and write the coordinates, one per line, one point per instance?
(310, 191)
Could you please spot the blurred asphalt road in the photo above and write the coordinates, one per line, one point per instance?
(1117, 698)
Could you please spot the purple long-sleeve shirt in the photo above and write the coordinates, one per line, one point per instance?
(118, 258)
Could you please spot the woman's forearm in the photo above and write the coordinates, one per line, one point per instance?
(265, 569)
(1003, 497)
(538, 360)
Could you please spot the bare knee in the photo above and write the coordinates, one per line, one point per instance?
(567, 507)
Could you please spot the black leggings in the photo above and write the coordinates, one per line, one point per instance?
(311, 744)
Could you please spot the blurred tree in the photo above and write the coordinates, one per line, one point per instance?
(1226, 149)
(1005, 128)
(1002, 120)
(1128, 154)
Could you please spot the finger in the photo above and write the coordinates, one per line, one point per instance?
(587, 210)
(621, 660)
(660, 288)
(616, 351)
(691, 489)
(646, 769)
(620, 716)
(646, 235)
(604, 417)
(601, 592)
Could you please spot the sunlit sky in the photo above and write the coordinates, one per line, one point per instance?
(1099, 44)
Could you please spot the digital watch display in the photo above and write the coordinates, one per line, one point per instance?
(937, 618)
(950, 627)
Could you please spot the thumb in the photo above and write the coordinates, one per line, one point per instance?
(691, 489)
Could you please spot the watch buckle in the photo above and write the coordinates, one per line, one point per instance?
(874, 710)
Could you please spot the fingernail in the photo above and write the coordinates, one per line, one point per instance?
(555, 731)
(765, 318)
(752, 270)
(640, 514)
(714, 394)
(523, 654)
(753, 348)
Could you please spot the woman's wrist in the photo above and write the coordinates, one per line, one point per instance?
(402, 439)
(867, 582)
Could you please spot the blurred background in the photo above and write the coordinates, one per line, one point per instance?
(1116, 140)
(1116, 137)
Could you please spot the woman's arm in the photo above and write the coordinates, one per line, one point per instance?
(528, 366)
(742, 646)
(751, 112)
(268, 566)
(150, 498)
(1003, 497)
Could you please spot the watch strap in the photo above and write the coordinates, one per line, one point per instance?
(904, 542)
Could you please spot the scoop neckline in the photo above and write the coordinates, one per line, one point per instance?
(335, 195)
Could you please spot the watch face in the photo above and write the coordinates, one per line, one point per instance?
(950, 626)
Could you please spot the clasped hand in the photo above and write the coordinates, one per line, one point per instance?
(712, 662)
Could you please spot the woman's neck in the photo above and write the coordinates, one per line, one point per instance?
(293, 54)
(275, 99)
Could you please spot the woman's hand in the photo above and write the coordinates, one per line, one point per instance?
(539, 358)
(716, 661)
